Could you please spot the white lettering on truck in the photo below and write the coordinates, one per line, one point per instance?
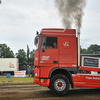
(88, 77)
(94, 78)
(45, 57)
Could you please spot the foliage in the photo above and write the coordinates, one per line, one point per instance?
(21, 55)
(5, 51)
(28, 52)
(92, 49)
(32, 56)
(83, 51)
(24, 58)
(9, 55)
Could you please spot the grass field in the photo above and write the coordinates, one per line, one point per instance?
(16, 80)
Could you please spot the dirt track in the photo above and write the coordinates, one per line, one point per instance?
(36, 92)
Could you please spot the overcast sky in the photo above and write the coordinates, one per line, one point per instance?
(20, 19)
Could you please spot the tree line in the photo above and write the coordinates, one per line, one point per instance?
(24, 57)
(28, 57)
(92, 49)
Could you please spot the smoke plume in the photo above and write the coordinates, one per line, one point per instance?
(71, 12)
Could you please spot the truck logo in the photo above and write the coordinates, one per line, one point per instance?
(45, 57)
(66, 44)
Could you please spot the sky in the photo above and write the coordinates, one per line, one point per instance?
(20, 19)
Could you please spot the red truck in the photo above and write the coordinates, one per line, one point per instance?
(57, 60)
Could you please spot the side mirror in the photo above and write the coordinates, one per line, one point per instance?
(37, 33)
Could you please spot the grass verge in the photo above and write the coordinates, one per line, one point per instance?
(16, 80)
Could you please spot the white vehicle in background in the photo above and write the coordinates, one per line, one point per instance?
(9, 64)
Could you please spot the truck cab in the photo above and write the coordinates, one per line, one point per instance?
(56, 54)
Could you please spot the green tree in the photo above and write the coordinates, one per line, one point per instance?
(28, 52)
(5, 51)
(83, 51)
(94, 49)
(9, 55)
(21, 55)
(32, 56)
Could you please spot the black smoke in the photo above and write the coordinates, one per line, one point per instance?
(71, 12)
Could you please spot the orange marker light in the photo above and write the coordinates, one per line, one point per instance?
(78, 76)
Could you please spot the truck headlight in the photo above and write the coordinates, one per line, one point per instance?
(36, 74)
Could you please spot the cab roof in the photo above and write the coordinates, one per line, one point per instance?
(58, 31)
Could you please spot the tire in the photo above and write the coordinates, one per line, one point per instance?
(59, 84)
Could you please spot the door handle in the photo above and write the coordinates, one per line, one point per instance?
(55, 61)
(43, 50)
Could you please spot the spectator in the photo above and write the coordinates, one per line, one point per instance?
(29, 71)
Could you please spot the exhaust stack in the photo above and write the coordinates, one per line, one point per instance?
(78, 48)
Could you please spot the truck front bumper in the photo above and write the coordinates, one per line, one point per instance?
(44, 82)
(40, 81)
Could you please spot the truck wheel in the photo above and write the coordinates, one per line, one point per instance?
(59, 84)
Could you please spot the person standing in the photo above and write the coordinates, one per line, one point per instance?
(29, 71)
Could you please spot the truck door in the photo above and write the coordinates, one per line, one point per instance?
(48, 53)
